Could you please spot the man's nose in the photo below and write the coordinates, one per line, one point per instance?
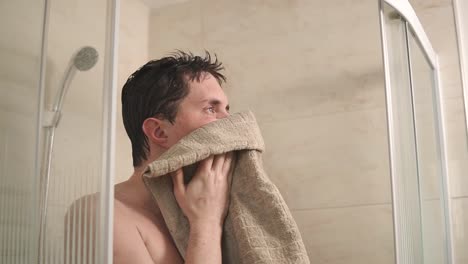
(223, 114)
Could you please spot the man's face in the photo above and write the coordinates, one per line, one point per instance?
(205, 103)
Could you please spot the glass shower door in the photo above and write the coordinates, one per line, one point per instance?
(21, 28)
(405, 184)
(76, 220)
(430, 173)
(415, 138)
(60, 213)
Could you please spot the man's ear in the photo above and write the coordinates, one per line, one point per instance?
(155, 131)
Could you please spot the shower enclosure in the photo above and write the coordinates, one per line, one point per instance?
(62, 213)
(416, 137)
(57, 143)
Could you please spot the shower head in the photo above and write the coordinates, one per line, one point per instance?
(85, 58)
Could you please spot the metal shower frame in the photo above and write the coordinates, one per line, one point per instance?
(404, 8)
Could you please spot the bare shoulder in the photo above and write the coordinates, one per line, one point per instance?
(83, 209)
(81, 229)
(139, 236)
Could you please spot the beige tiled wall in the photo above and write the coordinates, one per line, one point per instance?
(312, 73)
(357, 234)
(133, 53)
(460, 232)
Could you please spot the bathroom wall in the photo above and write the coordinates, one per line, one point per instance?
(312, 74)
(133, 53)
(437, 17)
(315, 83)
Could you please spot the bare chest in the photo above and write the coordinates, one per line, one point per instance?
(158, 241)
(154, 234)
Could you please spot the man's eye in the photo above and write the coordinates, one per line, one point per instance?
(211, 109)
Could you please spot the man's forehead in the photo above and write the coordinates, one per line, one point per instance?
(197, 78)
(203, 90)
(212, 100)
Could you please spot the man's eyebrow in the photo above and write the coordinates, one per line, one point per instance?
(211, 101)
(215, 102)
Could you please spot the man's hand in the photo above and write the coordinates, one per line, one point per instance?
(204, 201)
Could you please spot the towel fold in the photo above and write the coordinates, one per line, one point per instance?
(259, 227)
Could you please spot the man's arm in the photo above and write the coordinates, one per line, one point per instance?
(204, 202)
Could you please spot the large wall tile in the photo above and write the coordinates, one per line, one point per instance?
(317, 25)
(174, 27)
(133, 53)
(278, 52)
(458, 170)
(454, 114)
(351, 235)
(455, 128)
(450, 81)
(457, 146)
(331, 160)
(438, 22)
(460, 229)
(303, 92)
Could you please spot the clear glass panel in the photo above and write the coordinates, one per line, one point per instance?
(73, 223)
(407, 208)
(21, 25)
(67, 229)
(429, 159)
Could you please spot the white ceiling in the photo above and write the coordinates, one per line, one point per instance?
(153, 4)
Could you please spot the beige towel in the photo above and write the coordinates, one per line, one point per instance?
(259, 227)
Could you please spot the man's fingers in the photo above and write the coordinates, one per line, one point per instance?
(228, 162)
(218, 162)
(178, 182)
(206, 164)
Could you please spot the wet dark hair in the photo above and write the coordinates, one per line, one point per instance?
(157, 89)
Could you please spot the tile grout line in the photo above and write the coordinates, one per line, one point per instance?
(459, 197)
(339, 207)
(309, 116)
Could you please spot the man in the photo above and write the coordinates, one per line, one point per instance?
(162, 102)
